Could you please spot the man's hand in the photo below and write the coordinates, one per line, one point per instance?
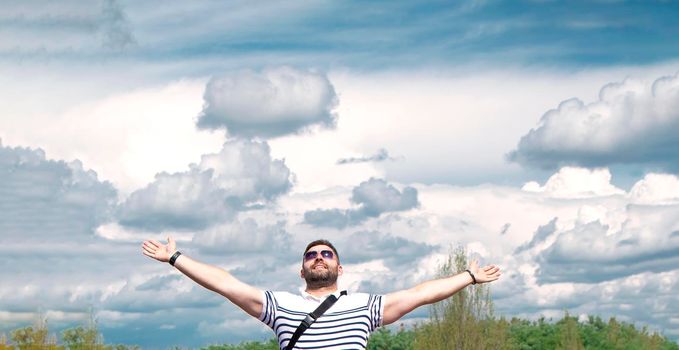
(159, 251)
(484, 274)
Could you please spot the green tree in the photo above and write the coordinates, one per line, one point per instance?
(84, 338)
(465, 320)
(384, 339)
(570, 334)
(35, 337)
(272, 344)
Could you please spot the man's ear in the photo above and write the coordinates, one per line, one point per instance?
(301, 273)
(340, 270)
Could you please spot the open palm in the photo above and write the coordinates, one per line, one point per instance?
(159, 251)
(484, 274)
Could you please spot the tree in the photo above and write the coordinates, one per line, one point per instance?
(84, 338)
(465, 320)
(35, 337)
(3, 342)
(570, 335)
(383, 339)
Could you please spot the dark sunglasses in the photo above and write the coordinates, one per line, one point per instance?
(326, 254)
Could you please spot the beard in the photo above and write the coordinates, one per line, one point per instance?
(316, 279)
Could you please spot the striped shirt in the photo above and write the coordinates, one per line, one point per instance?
(346, 325)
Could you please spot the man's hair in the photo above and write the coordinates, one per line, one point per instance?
(323, 242)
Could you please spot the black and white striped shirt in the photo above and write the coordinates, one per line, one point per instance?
(346, 325)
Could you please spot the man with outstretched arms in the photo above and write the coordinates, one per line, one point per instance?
(346, 324)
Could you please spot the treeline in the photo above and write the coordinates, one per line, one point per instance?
(38, 337)
(465, 321)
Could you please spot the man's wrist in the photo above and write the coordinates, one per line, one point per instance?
(472, 275)
(174, 257)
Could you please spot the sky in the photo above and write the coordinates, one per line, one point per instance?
(538, 135)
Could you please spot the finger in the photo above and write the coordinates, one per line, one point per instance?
(157, 244)
(474, 265)
(149, 250)
(149, 245)
(148, 254)
(171, 243)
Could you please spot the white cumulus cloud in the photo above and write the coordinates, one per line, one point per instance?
(273, 102)
(632, 122)
(573, 182)
(241, 174)
(656, 189)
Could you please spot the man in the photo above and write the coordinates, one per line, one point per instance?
(347, 324)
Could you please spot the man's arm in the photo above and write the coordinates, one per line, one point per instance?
(211, 277)
(402, 302)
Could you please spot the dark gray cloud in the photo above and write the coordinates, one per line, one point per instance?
(45, 199)
(632, 122)
(241, 174)
(542, 233)
(590, 253)
(273, 102)
(380, 156)
(373, 198)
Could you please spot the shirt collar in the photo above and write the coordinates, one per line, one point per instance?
(310, 297)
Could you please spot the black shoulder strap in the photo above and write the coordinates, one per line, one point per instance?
(311, 318)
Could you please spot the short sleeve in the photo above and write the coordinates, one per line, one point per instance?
(376, 310)
(268, 309)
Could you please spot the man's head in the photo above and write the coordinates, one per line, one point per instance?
(320, 264)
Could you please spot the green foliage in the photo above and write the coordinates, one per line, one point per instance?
(36, 337)
(569, 334)
(272, 344)
(594, 334)
(84, 338)
(383, 339)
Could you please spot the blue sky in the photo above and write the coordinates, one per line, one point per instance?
(539, 135)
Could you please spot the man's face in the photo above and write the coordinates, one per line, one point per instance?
(320, 271)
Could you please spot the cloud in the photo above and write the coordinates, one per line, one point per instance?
(244, 237)
(542, 233)
(241, 174)
(69, 29)
(50, 199)
(364, 246)
(115, 28)
(380, 156)
(572, 182)
(373, 198)
(632, 122)
(589, 252)
(656, 189)
(273, 102)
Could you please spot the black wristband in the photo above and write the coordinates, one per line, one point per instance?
(174, 257)
(473, 278)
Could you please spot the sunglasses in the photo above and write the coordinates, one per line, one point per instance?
(326, 254)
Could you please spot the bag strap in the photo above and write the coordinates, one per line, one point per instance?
(311, 318)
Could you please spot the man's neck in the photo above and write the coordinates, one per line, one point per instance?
(323, 291)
